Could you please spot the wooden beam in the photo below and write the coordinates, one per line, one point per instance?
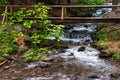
(78, 19)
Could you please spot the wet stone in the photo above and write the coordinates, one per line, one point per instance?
(86, 26)
(71, 54)
(68, 27)
(87, 40)
(93, 76)
(115, 75)
(18, 79)
(44, 64)
(47, 60)
(81, 49)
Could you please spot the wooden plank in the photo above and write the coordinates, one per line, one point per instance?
(79, 19)
(87, 21)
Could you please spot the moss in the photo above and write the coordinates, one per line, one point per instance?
(61, 45)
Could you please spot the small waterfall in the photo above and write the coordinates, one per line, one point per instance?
(79, 34)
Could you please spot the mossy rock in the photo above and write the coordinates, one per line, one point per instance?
(55, 44)
(104, 54)
(61, 45)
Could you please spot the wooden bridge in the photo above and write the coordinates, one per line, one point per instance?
(63, 18)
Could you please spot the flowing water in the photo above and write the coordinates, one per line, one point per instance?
(81, 35)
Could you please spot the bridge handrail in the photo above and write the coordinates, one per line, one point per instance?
(63, 8)
(84, 6)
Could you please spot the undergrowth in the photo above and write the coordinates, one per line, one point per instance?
(107, 34)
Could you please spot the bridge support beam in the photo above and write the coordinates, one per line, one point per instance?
(63, 12)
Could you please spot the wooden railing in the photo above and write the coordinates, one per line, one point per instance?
(63, 10)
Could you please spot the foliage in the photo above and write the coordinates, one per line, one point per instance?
(14, 17)
(36, 53)
(116, 55)
(102, 38)
(90, 2)
(102, 44)
(8, 37)
(44, 28)
(3, 2)
(38, 30)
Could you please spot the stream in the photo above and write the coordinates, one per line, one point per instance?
(79, 62)
(80, 53)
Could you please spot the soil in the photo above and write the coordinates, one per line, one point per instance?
(113, 46)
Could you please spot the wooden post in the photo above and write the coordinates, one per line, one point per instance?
(5, 16)
(63, 12)
(6, 13)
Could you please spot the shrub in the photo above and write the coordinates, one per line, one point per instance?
(116, 55)
(8, 37)
(102, 37)
(37, 30)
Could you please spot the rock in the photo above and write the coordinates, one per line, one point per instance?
(7, 56)
(115, 75)
(44, 64)
(87, 40)
(47, 60)
(86, 26)
(104, 54)
(81, 49)
(18, 79)
(93, 76)
(53, 44)
(71, 54)
(61, 45)
(69, 26)
(93, 45)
